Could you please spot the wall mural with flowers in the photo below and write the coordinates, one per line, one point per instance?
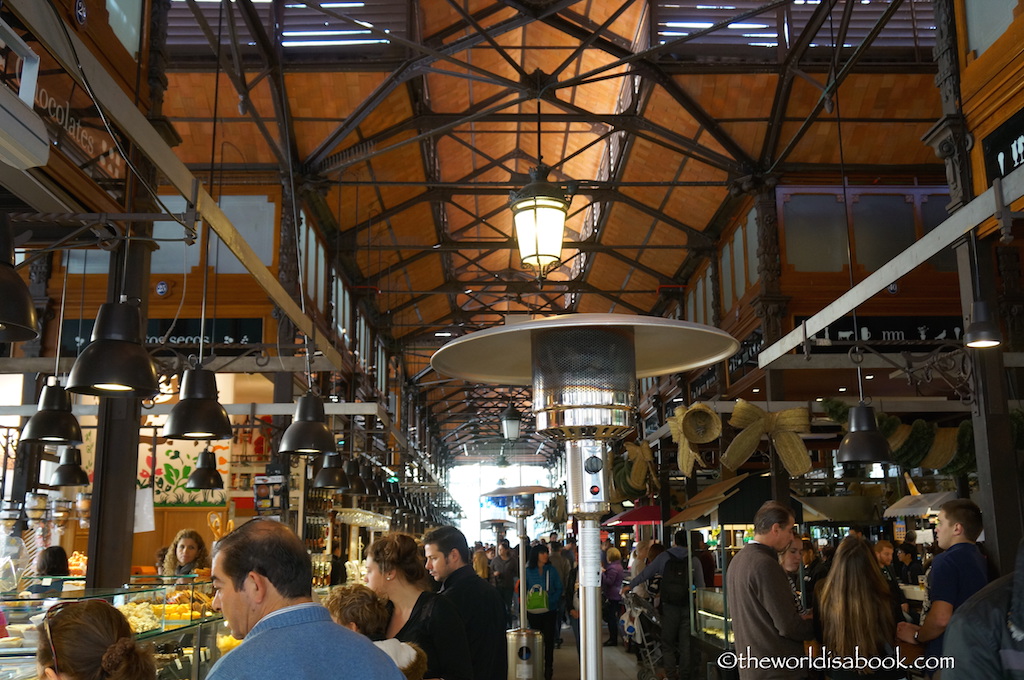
(165, 466)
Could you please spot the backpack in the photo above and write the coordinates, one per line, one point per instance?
(675, 581)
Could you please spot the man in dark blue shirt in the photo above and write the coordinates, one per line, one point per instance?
(955, 575)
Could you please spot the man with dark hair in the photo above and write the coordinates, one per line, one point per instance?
(477, 601)
(986, 633)
(765, 622)
(262, 578)
(671, 565)
(956, 574)
(707, 560)
(910, 566)
(505, 572)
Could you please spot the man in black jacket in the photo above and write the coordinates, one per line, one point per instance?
(477, 601)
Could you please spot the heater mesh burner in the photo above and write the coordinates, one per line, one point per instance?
(584, 382)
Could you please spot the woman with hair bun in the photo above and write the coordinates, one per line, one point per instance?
(90, 639)
(394, 569)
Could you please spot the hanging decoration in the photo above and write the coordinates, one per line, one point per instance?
(950, 450)
(698, 424)
(633, 475)
(783, 428)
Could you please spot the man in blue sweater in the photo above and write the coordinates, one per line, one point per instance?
(263, 581)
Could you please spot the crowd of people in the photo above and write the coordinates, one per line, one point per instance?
(849, 606)
(439, 608)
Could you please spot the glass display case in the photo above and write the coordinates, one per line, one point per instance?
(173, 615)
(710, 619)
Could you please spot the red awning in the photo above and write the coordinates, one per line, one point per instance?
(643, 514)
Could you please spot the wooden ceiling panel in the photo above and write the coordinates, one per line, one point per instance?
(627, 25)
(395, 109)
(732, 95)
(749, 136)
(665, 111)
(440, 16)
(333, 96)
(896, 143)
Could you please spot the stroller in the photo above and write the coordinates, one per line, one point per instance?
(640, 625)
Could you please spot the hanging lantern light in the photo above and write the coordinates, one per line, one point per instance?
(539, 210)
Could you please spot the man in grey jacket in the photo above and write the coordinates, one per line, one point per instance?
(765, 620)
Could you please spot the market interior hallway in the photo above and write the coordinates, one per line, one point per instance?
(617, 663)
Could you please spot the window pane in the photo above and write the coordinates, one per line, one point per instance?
(815, 228)
(933, 213)
(700, 301)
(172, 256)
(725, 269)
(739, 263)
(986, 21)
(253, 217)
(87, 261)
(883, 227)
(751, 247)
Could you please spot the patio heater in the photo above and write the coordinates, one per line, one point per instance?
(525, 647)
(584, 370)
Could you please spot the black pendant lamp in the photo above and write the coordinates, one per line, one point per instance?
(983, 331)
(366, 474)
(356, 486)
(18, 320)
(53, 423)
(863, 442)
(115, 363)
(308, 434)
(205, 476)
(332, 474)
(70, 472)
(198, 415)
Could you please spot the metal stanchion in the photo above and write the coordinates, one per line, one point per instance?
(525, 647)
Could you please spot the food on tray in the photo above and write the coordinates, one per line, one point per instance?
(77, 563)
(225, 643)
(140, 616)
(10, 642)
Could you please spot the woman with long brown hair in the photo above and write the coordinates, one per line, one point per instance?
(187, 554)
(394, 569)
(854, 615)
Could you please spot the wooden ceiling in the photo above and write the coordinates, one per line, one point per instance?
(405, 147)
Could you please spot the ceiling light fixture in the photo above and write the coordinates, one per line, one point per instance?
(332, 474)
(53, 422)
(511, 423)
(198, 415)
(983, 330)
(205, 476)
(115, 363)
(863, 443)
(70, 472)
(18, 320)
(539, 210)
